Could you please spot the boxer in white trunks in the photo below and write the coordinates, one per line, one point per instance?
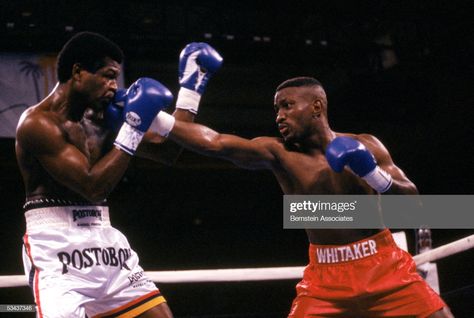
(72, 149)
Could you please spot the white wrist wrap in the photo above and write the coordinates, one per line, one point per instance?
(162, 124)
(188, 99)
(379, 180)
(128, 139)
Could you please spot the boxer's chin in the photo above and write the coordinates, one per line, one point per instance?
(101, 105)
(288, 142)
(288, 138)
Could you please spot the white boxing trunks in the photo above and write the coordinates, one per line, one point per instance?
(78, 264)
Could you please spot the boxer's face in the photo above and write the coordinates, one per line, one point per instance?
(99, 88)
(293, 106)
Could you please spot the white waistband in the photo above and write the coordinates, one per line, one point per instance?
(67, 216)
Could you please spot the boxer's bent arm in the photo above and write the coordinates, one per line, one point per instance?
(160, 149)
(67, 164)
(250, 154)
(401, 184)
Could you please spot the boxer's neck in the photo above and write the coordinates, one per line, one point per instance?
(320, 136)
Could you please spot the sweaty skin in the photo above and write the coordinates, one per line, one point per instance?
(297, 159)
(65, 152)
(62, 149)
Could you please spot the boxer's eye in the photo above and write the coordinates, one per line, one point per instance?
(111, 76)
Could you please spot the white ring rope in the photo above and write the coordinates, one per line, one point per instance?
(443, 251)
(252, 274)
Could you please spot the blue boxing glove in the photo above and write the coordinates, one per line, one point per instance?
(142, 102)
(344, 151)
(197, 63)
(113, 115)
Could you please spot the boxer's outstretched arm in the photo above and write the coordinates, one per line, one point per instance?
(258, 153)
(160, 149)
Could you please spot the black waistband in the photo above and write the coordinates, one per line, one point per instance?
(49, 202)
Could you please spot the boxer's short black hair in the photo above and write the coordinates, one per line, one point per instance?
(88, 49)
(299, 82)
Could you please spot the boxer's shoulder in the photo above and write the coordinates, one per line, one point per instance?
(273, 144)
(362, 137)
(40, 129)
(368, 140)
(38, 116)
(373, 144)
(269, 141)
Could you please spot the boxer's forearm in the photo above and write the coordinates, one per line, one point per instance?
(402, 187)
(160, 149)
(197, 138)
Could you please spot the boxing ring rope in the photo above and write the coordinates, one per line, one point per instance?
(264, 273)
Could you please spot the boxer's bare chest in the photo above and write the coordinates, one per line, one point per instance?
(304, 173)
(310, 173)
(89, 137)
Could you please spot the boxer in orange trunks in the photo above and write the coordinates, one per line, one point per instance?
(383, 276)
(358, 272)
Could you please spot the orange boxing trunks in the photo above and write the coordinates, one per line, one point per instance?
(368, 278)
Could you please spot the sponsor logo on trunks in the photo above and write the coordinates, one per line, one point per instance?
(86, 213)
(94, 256)
(139, 279)
(347, 252)
(135, 277)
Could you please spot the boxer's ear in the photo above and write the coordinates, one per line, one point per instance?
(76, 71)
(317, 108)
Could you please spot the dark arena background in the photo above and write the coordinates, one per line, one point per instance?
(403, 73)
